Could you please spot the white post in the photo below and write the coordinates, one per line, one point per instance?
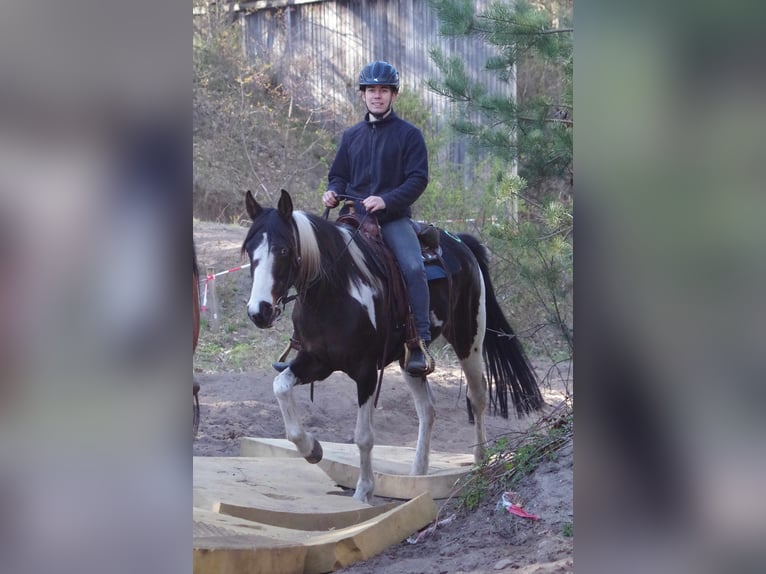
(212, 300)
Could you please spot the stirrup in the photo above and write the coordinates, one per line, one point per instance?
(280, 366)
(281, 363)
(430, 364)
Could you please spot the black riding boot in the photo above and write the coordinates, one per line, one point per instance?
(418, 361)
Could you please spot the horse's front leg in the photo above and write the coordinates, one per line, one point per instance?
(426, 415)
(364, 439)
(307, 445)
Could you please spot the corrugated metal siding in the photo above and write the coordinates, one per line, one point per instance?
(327, 43)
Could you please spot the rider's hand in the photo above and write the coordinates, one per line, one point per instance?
(374, 203)
(330, 199)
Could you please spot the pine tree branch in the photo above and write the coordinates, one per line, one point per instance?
(547, 120)
(557, 31)
(521, 30)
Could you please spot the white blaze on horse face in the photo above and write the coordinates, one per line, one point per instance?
(365, 295)
(263, 281)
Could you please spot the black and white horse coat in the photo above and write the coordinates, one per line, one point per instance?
(342, 321)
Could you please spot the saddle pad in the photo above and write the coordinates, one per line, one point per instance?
(434, 271)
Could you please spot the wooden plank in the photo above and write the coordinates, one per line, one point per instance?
(391, 466)
(252, 5)
(256, 5)
(224, 544)
(284, 492)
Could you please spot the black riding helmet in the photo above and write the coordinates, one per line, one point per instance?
(379, 74)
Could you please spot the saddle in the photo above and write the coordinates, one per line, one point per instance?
(368, 228)
(427, 233)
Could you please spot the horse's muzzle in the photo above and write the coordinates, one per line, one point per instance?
(266, 316)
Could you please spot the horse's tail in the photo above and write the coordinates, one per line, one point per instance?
(508, 367)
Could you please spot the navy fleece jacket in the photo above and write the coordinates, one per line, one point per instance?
(387, 158)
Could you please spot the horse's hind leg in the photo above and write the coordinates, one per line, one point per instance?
(473, 366)
(307, 445)
(364, 439)
(426, 415)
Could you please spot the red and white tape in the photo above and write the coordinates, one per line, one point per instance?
(212, 276)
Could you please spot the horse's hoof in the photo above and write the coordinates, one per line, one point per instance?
(316, 453)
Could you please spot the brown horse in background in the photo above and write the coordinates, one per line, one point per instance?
(195, 335)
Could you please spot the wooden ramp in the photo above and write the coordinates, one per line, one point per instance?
(225, 544)
(282, 515)
(280, 492)
(391, 466)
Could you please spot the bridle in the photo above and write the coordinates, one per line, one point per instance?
(295, 265)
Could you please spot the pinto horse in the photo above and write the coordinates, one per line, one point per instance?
(343, 322)
(195, 337)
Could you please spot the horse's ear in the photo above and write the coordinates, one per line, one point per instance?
(285, 205)
(253, 209)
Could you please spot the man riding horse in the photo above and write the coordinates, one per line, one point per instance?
(383, 163)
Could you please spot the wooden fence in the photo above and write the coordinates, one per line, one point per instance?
(324, 44)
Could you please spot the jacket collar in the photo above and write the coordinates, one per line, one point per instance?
(390, 117)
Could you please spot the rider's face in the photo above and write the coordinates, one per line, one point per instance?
(378, 98)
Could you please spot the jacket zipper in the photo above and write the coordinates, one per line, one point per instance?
(373, 145)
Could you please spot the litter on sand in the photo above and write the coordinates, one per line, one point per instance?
(505, 502)
(429, 529)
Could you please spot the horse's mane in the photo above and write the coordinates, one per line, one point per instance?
(323, 245)
(311, 256)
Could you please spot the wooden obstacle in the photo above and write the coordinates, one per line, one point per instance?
(224, 544)
(276, 491)
(268, 511)
(391, 466)
(281, 515)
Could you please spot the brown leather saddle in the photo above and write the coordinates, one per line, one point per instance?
(368, 228)
(427, 233)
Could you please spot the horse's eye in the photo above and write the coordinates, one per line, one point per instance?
(283, 252)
